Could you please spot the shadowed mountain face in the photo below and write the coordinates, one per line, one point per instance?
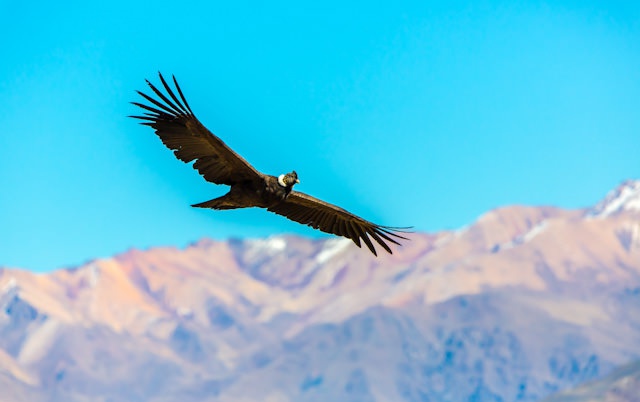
(622, 385)
(518, 305)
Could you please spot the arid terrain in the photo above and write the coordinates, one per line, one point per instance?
(522, 303)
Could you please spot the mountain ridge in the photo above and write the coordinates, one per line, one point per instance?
(290, 318)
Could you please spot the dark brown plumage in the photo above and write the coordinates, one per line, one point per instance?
(174, 122)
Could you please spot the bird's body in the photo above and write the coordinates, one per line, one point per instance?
(264, 192)
(179, 129)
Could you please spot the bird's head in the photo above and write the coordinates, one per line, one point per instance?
(288, 180)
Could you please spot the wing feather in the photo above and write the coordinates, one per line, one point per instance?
(180, 130)
(358, 233)
(383, 234)
(168, 104)
(175, 82)
(318, 214)
(170, 92)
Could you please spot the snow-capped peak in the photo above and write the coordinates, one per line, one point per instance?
(626, 197)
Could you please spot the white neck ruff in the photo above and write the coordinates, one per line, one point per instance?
(281, 181)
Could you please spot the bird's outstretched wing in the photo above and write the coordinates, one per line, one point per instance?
(308, 210)
(182, 132)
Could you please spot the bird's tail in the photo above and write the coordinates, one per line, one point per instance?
(223, 202)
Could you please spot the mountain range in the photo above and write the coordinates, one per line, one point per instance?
(522, 303)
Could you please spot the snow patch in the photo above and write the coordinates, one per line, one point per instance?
(8, 291)
(11, 284)
(526, 237)
(629, 236)
(276, 243)
(624, 198)
(270, 245)
(39, 343)
(536, 230)
(331, 248)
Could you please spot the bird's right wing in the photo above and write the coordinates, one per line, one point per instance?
(190, 140)
(318, 214)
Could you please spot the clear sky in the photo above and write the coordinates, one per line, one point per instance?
(407, 113)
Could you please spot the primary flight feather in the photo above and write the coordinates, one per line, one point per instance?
(174, 122)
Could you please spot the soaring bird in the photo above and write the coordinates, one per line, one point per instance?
(179, 129)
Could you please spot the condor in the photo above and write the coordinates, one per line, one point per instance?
(179, 129)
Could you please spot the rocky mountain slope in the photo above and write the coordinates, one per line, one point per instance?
(622, 385)
(521, 303)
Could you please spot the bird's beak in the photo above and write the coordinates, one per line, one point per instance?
(297, 181)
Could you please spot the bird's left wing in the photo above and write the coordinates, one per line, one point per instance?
(308, 210)
(182, 132)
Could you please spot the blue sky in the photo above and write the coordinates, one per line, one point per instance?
(407, 113)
